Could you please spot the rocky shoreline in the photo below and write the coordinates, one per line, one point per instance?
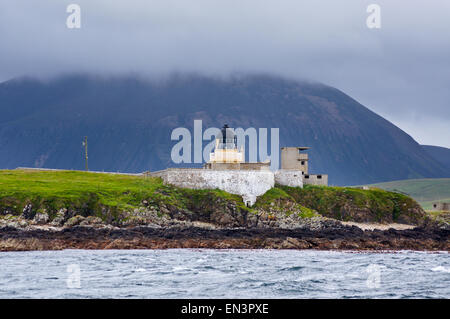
(337, 237)
(333, 219)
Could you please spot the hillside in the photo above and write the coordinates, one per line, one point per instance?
(129, 122)
(440, 154)
(425, 191)
(67, 197)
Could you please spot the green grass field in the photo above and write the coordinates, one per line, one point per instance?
(425, 191)
(74, 186)
(89, 193)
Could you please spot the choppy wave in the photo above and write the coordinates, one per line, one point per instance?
(184, 273)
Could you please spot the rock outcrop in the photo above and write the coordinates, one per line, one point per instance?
(145, 237)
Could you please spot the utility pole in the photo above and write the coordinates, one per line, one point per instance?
(85, 144)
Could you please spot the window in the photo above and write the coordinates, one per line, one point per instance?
(306, 176)
(303, 163)
(319, 176)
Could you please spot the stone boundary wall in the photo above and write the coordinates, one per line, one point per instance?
(73, 170)
(248, 184)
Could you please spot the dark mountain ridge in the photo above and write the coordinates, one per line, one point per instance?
(440, 154)
(129, 122)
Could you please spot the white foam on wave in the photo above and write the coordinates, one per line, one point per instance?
(441, 269)
(179, 268)
(139, 270)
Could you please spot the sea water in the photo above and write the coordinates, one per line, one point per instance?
(206, 273)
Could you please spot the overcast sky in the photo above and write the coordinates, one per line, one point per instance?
(401, 71)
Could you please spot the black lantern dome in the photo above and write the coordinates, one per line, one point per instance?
(227, 138)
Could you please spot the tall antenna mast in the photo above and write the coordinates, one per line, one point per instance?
(85, 144)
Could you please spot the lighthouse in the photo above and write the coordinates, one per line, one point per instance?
(226, 150)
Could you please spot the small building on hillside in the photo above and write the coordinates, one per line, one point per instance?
(440, 206)
(295, 159)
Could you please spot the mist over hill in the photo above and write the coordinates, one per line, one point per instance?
(129, 122)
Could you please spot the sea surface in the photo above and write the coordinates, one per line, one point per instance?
(206, 273)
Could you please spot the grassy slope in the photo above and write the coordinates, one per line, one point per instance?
(346, 203)
(425, 191)
(280, 200)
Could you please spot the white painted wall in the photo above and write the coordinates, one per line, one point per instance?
(248, 184)
(289, 177)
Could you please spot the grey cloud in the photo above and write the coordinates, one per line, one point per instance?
(401, 71)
